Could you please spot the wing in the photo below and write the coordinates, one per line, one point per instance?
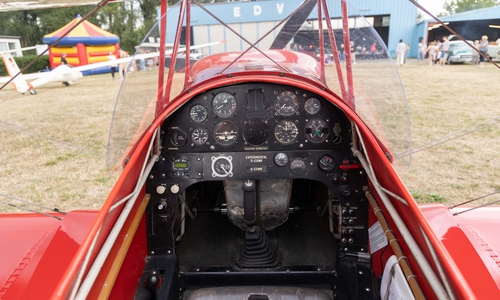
(136, 57)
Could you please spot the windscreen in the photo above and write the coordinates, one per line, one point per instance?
(354, 60)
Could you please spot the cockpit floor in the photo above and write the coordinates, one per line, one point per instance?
(210, 240)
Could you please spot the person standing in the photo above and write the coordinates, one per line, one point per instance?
(483, 47)
(373, 50)
(445, 46)
(400, 52)
(65, 62)
(112, 57)
(422, 47)
(63, 59)
(431, 53)
(122, 69)
(475, 54)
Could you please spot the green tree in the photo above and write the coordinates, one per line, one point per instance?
(458, 6)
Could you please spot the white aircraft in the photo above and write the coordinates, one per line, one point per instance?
(65, 73)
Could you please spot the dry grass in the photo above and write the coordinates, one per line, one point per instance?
(54, 143)
(445, 100)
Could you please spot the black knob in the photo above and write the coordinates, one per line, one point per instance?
(345, 190)
(152, 283)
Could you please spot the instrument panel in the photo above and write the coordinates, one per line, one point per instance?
(256, 117)
(260, 131)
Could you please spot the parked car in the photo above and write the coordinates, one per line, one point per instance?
(459, 52)
(494, 50)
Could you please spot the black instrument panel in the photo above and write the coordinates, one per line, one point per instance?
(260, 131)
(256, 117)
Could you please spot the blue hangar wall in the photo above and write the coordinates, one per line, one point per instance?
(256, 16)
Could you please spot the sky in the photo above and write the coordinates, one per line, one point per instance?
(433, 6)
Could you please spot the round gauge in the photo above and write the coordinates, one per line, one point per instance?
(312, 106)
(255, 132)
(225, 133)
(178, 138)
(280, 159)
(326, 163)
(224, 104)
(316, 131)
(286, 132)
(286, 103)
(298, 166)
(199, 136)
(198, 113)
(222, 166)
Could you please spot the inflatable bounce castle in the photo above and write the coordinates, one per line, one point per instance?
(86, 44)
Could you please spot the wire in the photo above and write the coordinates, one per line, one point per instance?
(475, 199)
(454, 135)
(33, 204)
(476, 207)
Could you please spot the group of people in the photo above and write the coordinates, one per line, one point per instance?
(120, 68)
(437, 51)
(482, 46)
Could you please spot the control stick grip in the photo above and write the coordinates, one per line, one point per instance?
(249, 203)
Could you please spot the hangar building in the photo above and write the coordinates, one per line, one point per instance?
(393, 20)
(471, 25)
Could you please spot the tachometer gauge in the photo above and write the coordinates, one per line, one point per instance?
(316, 131)
(312, 106)
(224, 104)
(198, 113)
(286, 103)
(225, 133)
(286, 132)
(199, 136)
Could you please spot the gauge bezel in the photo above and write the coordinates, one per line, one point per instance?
(288, 98)
(218, 127)
(218, 110)
(279, 162)
(205, 114)
(215, 160)
(316, 140)
(205, 130)
(294, 131)
(310, 108)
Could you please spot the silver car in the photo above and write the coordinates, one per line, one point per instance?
(459, 52)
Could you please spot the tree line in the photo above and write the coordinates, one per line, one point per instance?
(130, 21)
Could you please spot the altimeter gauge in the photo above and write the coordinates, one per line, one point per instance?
(222, 166)
(224, 104)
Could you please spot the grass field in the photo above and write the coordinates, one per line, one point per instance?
(54, 144)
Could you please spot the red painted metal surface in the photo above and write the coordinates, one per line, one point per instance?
(296, 62)
(38, 251)
(472, 241)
